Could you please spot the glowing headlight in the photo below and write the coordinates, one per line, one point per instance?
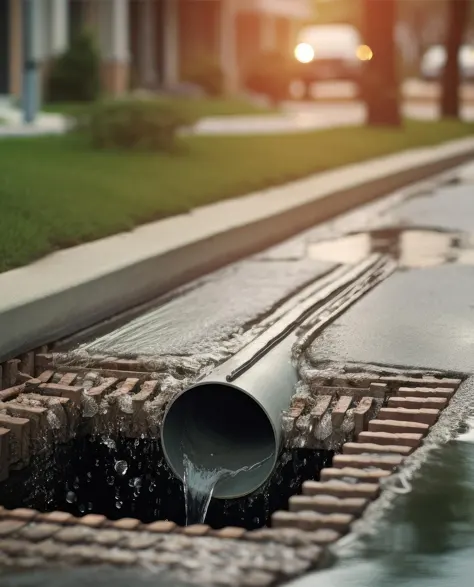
(304, 53)
(364, 53)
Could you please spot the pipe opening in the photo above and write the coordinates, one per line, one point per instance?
(218, 427)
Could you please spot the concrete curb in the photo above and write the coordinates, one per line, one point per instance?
(38, 306)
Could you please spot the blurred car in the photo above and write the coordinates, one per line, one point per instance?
(434, 60)
(330, 52)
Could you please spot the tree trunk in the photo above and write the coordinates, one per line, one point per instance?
(381, 75)
(458, 13)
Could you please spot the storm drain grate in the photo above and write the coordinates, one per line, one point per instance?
(375, 423)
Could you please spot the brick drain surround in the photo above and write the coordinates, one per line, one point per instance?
(82, 509)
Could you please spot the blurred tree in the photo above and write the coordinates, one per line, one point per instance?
(458, 15)
(426, 21)
(380, 84)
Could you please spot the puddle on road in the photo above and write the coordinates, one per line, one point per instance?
(412, 248)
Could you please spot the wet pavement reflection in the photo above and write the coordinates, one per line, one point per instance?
(413, 248)
(427, 539)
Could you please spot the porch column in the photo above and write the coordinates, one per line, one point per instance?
(228, 45)
(36, 53)
(115, 45)
(59, 32)
(16, 48)
(171, 43)
(41, 31)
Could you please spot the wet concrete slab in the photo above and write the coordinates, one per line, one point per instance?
(416, 318)
(442, 204)
(225, 304)
(449, 208)
(421, 227)
(466, 173)
(423, 315)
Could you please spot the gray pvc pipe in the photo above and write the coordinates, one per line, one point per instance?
(232, 425)
(232, 422)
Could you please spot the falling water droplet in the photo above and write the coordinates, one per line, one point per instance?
(137, 483)
(110, 443)
(118, 504)
(89, 506)
(110, 480)
(76, 483)
(89, 475)
(82, 508)
(121, 467)
(71, 497)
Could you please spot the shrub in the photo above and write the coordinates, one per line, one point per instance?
(75, 75)
(271, 74)
(207, 73)
(149, 125)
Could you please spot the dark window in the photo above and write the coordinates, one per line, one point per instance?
(76, 16)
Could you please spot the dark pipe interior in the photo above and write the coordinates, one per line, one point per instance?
(83, 477)
(218, 426)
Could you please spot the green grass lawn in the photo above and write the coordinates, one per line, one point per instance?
(201, 108)
(56, 191)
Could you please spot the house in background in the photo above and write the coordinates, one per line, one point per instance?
(152, 42)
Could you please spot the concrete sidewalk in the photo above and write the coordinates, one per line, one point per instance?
(12, 125)
(309, 116)
(296, 117)
(413, 89)
(75, 288)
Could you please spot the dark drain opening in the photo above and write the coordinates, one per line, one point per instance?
(129, 478)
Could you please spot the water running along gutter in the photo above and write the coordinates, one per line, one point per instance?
(231, 419)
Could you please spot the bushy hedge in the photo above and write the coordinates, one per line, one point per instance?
(130, 124)
(75, 75)
(207, 73)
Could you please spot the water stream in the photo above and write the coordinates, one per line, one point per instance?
(199, 484)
